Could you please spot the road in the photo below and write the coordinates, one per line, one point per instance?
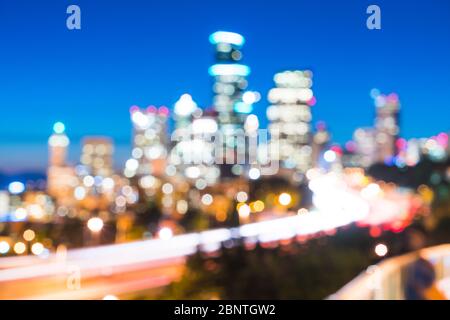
(93, 273)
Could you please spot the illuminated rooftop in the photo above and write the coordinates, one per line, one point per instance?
(227, 37)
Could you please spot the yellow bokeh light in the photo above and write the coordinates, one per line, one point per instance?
(37, 248)
(285, 199)
(257, 206)
(20, 248)
(29, 235)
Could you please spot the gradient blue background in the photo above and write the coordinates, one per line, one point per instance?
(151, 52)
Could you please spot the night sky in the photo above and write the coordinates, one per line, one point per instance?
(151, 52)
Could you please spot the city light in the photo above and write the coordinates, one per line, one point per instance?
(207, 199)
(59, 128)
(16, 187)
(95, 224)
(20, 248)
(165, 233)
(204, 125)
(182, 206)
(226, 37)
(251, 97)
(20, 214)
(371, 191)
(37, 248)
(242, 107)
(254, 173)
(229, 70)
(167, 188)
(4, 247)
(185, 106)
(88, 181)
(244, 211)
(132, 165)
(329, 156)
(285, 199)
(29, 235)
(108, 184)
(242, 196)
(381, 250)
(257, 206)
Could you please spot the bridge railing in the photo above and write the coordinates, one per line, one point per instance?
(386, 280)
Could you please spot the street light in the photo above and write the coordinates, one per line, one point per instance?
(4, 247)
(165, 233)
(20, 248)
(29, 235)
(37, 248)
(285, 199)
(95, 224)
(381, 250)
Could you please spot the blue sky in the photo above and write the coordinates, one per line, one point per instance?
(151, 52)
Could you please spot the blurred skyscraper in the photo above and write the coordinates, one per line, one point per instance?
(61, 178)
(193, 152)
(229, 86)
(365, 147)
(97, 156)
(149, 155)
(290, 119)
(386, 125)
(58, 144)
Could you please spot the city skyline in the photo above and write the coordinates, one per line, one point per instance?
(84, 81)
(224, 151)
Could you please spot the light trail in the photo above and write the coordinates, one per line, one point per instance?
(336, 205)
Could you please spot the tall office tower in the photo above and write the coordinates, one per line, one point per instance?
(58, 144)
(185, 152)
(230, 84)
(386, 125)
(365, 146)
(150, 141)
(97, 156)
(194, 154)
(290, 120)
(61, 178)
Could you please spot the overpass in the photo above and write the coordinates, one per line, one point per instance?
(386, 280)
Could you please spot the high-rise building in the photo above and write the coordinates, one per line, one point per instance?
(61, 178)
(97, 156)
(150, 141)
(229, 86)
(386, 125)
(365, 146)
(193, 153)
(58, 144)
(290, 120)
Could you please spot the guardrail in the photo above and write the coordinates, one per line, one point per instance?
(386, 280)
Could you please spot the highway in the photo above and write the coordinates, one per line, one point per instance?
(93, 273)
